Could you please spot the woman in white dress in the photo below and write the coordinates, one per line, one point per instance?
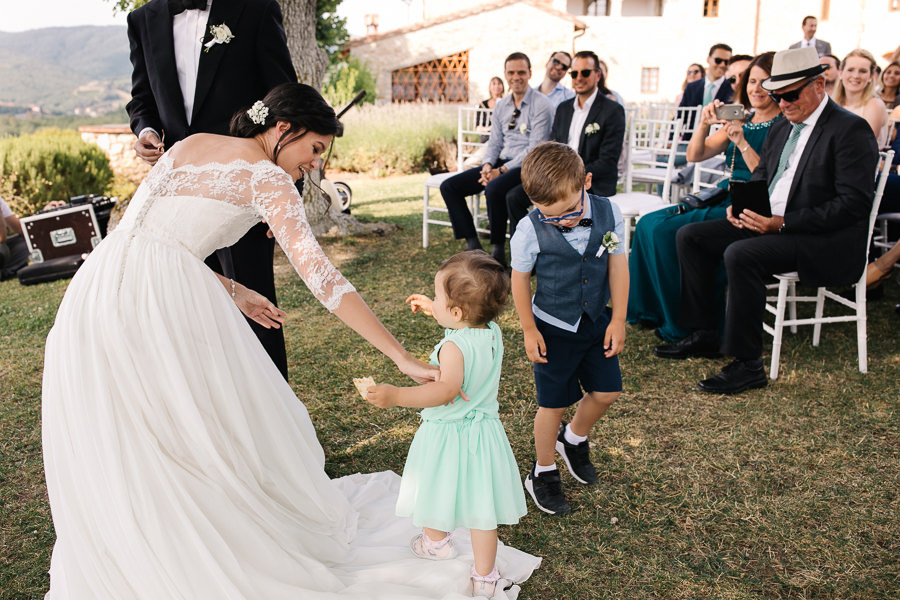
(179, 463)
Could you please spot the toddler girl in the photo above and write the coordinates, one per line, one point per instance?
(460, 470)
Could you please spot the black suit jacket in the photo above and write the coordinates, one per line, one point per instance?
(693, 93)
(599, 150)
(229, 77)
(831, 194)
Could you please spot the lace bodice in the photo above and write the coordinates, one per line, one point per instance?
(207, 207)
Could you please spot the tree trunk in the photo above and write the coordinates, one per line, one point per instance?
(310, 63)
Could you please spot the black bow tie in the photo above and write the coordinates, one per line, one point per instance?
(581, 223)
(179, 6)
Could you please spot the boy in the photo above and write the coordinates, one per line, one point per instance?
(570, 241)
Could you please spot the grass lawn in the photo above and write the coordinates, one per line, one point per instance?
(786, 492)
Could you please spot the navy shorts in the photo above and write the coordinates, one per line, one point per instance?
(575, 361)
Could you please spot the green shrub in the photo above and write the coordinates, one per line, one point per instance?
(396, 138)
(345, 79)
(50, 165)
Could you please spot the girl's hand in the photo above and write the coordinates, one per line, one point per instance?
(614, 341)
(420, 303)
(419, 371)
(382, 395)
(535, 347)
(257, 307)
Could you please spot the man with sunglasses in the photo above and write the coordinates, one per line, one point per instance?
(520, 121)
(818, 165)
(713, 86)
(592, 125)
(551, 87)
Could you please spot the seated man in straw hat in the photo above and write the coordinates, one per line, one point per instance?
(819, 165)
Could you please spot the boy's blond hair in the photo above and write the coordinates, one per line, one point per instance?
(550, 172)
(476, 283)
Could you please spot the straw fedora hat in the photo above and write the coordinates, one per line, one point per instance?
(791, 66)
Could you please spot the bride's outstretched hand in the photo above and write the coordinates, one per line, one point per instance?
(257, 307)
(419, 371)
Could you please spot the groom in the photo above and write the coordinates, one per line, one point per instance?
(197, 62)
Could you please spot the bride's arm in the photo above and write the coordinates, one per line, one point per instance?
(253, 304)
(278, 203)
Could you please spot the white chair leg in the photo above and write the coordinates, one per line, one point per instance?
(425, 213)
(792, 292)
(778, 328)
(820, 309)
(861, 342)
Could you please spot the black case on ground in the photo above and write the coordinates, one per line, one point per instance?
(50, 270)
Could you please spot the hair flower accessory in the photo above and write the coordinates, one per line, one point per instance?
(258, 112)
(221, 34)
(610, 241)
(591, 129)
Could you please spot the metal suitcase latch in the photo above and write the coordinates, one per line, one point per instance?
(63, 237)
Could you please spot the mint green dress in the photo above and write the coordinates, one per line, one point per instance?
(460, 470)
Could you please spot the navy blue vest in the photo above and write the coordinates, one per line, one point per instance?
(568, 283)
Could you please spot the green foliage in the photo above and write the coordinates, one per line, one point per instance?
(331, 29)
(50, 165)
(345, 79)
(10, 125)
(395, 138)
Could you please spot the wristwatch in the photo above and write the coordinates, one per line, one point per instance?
(783, 223)
(502, 169)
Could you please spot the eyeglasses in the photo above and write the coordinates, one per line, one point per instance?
(512, 122)
(790, 96)
(693, 71)
(571, 215)
(559, 64)
(720, 61)
(585, 73)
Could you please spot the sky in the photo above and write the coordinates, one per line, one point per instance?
(21, 15)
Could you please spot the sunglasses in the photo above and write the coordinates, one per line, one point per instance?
(512, 122)
(566, 217)
(790, 96)
(732, 80)
(693, 72)
(585, 73)
(720, 61)
(558, 63)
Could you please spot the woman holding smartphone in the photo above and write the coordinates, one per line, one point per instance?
(655, 295)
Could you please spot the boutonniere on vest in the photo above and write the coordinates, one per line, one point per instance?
(610, 241)
(523, 128)
(221, 34)
(591, 129)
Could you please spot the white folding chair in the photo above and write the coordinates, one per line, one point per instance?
(468, 144)
(650, 142)
(787, 295)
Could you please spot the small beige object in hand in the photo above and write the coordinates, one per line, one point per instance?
(363, 384)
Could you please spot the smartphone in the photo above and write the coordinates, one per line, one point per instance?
(730, 112)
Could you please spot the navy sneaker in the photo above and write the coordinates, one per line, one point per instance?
(546, 491)
(577, 457)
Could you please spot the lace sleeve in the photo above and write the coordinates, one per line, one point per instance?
(277, 201)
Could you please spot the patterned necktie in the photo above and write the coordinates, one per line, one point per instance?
(581, 223)
(789, 146)
(707, 93)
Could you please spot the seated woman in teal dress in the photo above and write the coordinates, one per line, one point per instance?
(655, 295)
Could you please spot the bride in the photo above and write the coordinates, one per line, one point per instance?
(179, 463)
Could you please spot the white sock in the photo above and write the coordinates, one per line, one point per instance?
(538, 469)
(571, 437)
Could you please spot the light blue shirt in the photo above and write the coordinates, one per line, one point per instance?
(525, 249)
(531, 128)
(559, 94)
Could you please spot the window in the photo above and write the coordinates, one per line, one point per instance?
(710, 8)
(649, 80)
(440, 80)
(599, 8)
(894, 5)
(826, 6)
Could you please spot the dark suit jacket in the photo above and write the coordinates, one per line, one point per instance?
(229, 77)
(831, 195)
(599, 150)
(693, 93)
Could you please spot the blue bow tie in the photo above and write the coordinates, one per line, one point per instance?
(581, 223)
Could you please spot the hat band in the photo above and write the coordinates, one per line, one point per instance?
(798, 74)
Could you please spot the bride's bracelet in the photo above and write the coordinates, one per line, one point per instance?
(232, 288)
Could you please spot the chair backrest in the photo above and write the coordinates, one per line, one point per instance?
(472, 132)
(708, 172)
(881, 173)
(689, 117)
(651, 144)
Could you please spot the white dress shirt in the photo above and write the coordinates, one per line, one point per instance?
(188, 29)
(806, 43)
(779, 196)
(579, 116)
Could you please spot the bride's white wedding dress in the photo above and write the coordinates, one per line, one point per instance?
(179, 463)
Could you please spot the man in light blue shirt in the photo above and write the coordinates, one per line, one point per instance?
(520, 121)
(552, 87)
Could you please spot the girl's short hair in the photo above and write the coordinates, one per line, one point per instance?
(476, 283)
(550, 172)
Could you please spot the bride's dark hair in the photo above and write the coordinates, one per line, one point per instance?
(295, 103)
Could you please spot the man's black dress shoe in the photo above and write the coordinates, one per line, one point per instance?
(735, 378)
(698, 343)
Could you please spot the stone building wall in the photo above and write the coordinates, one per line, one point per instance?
(117, 142)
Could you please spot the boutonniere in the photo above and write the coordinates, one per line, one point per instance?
(591, 129)
(523, 128)
(610, 241)
(221, 34)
